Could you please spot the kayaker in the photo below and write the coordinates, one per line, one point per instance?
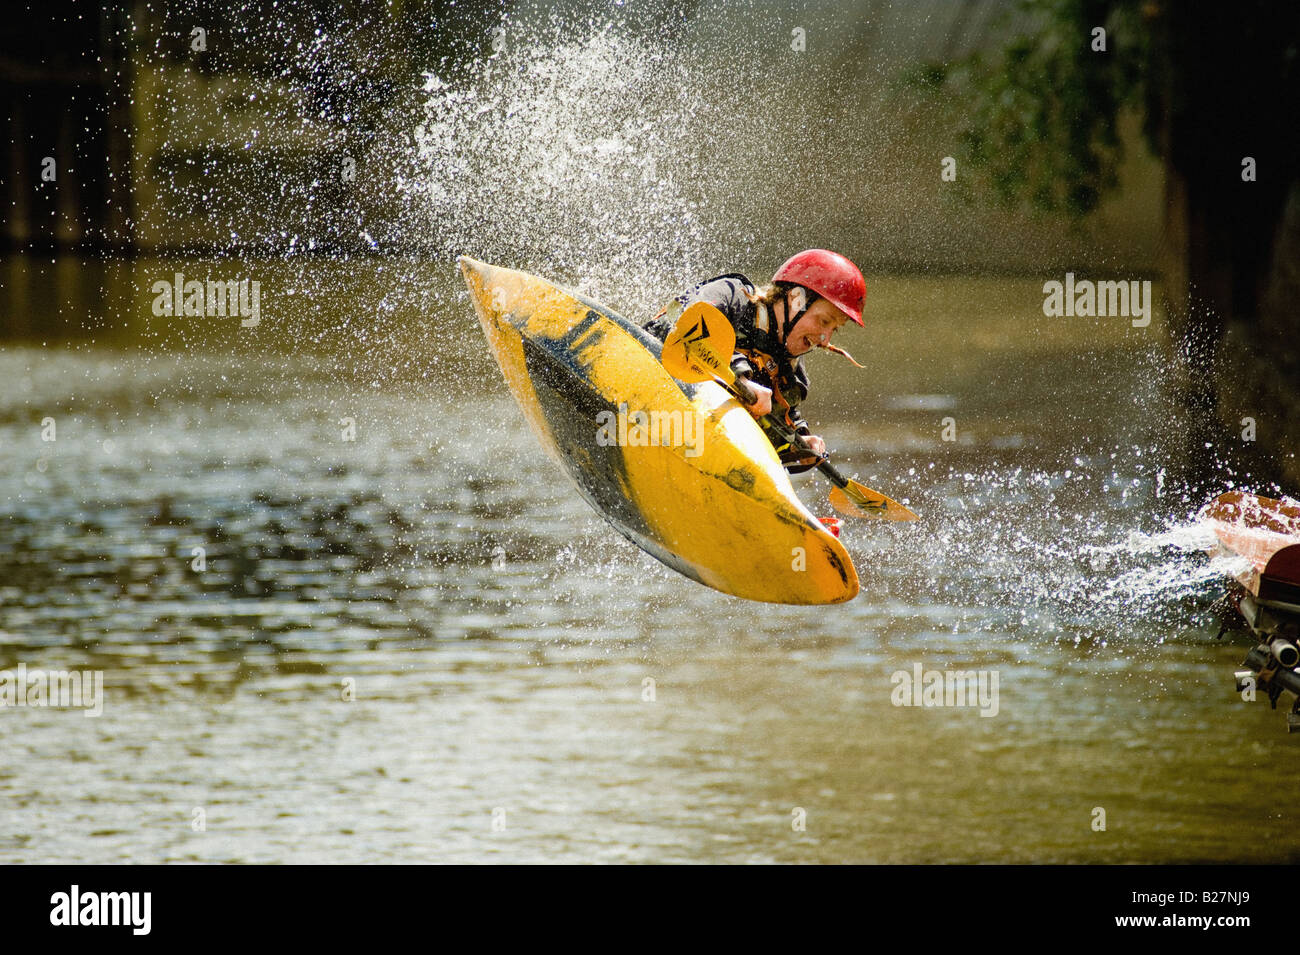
(811, 296)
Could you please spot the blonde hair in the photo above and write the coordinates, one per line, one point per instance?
(767, 294)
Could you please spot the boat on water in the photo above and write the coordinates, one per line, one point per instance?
(1264, 596)
(680, 469)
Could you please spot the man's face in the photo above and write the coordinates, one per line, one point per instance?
(814, 328)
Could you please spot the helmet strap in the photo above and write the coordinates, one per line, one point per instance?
(797, 301)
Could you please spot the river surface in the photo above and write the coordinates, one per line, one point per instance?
(420, 645)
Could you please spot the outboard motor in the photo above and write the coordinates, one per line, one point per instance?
(1264, 600)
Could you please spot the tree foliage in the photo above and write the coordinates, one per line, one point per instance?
(1038, 121)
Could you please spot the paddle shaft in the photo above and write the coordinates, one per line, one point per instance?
(795, 438)
(704, 330)
(769, 423)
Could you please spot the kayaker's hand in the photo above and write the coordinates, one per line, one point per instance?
(762, 399)
(816, 443)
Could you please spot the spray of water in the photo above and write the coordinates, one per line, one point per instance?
(1016, 548)
(518, 165)
(628, 166)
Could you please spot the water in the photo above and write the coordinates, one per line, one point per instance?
(421, 645)
(498, 635)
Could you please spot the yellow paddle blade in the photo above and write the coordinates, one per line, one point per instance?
(700, 345)
(858, 500)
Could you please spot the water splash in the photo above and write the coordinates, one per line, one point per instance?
(548, 155)
(1081, 553)
(625, 164)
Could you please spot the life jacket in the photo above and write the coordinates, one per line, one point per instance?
(782, 407)
(767, 364)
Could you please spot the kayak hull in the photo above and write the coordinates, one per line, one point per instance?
(681, 470)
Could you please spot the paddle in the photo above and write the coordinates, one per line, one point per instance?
(700, 348)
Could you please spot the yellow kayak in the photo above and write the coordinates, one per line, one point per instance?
(681, 470)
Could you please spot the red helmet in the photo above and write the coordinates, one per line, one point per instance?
(831, 276)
